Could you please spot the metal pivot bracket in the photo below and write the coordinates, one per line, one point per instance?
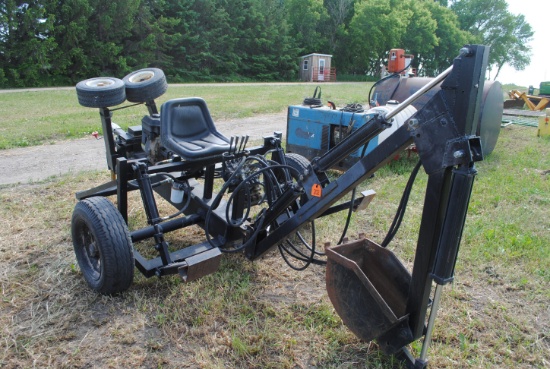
(438, 141)
(432, 130)
(462, 151)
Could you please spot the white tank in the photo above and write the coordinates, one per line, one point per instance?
(396, 121)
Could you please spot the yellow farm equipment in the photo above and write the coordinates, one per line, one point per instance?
(530, 100)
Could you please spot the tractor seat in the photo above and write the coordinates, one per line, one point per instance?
(187, 129)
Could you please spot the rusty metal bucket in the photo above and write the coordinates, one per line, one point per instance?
(368, 287)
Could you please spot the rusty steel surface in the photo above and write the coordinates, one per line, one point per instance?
(368, 287)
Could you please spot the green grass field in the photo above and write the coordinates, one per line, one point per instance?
(39, 117)
(263, 314)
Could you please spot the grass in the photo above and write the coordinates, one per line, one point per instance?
(40, 117)
(263, 314)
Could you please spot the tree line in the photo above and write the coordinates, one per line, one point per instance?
(59, 42)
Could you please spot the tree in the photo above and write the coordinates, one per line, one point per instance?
(53, 42)
(206, 46)
(340, 13)
(111, 24)
(450, 38)
(518, 55)
(25, 45)
(71, 32)
(420, 37)
(490, 23)
(268, 52)
(376, 27)
(153, 37)
(306, 19)
(222, 40)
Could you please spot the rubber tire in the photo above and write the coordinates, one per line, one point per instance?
(297, 161)
(300, 163)
(145, 85)
(101, 92)
(102, 245)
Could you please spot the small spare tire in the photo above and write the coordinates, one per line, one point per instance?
(145, 85)
(100, 92)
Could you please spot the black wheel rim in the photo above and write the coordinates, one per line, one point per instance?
(91, 257)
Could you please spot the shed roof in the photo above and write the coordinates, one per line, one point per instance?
(315, 54)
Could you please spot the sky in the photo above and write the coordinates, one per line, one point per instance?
(537, 14)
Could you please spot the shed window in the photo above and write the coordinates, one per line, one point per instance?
(306, 64)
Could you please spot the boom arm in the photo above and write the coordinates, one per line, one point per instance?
(444, 134)
(442, 131)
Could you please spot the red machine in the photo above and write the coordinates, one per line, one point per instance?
(398, 61)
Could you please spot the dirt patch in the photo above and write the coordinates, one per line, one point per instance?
(37, 163)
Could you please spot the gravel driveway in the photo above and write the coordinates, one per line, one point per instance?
(22, 165)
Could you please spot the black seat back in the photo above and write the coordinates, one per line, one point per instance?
(188, 130)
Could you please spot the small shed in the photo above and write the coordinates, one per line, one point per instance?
(317, 68)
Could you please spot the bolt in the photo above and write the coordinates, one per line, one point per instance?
(443, 121)
(465, 51)
(459, 154)
(413, 123)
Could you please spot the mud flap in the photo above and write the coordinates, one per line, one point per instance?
(368, 287)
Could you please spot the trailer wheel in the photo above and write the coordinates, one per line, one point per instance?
(302, 241)
(297, 161)
(102, 246)
(100, 92)
(145, 85)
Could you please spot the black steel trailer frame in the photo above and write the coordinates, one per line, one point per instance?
(444, 132)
